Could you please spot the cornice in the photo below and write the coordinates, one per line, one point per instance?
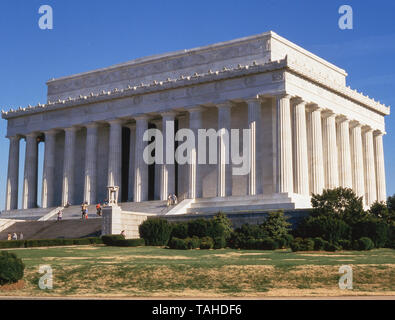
(210, 76)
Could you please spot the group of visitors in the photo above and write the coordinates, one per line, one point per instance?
(171, 199)
(14, 236)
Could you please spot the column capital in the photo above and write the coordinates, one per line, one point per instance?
(379, 133)
(355, 124)
(366, 128)
(342, 118)
(311, 107)
(51, 132)
(32, 134)
(70, 129)
(140, 117)
(168, 114)
(282, 95)
(298, 100)
(91, 125)
(255, 99)
(16, 137)
(327, 113)
(225, 104)
(115, 121)
(195, 109)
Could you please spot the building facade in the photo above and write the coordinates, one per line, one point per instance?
(308, 130)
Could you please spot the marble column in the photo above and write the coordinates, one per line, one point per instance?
(68, 166)
(224, 169)
(344, 152)
(11, 202)
(141, 167)
(115, 155)
(167, 174)
(90, 186)
(316, 162)
(369, 165)
(358, 176)
(30, 178)
(48, 187)
(330, 150)
(195, 189)
(132, 149)
(255, 183)
(380, 171)
(284, 145)
(301, 167)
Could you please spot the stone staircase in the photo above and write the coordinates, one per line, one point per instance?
(239, 204)
(153, 207)
(26, 214)
(74, 212)
(54, 229)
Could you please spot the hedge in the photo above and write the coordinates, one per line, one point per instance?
(364, 243)
(11, 268)
(109, 239)
(155, 231)
(48, 242)
(129, 242)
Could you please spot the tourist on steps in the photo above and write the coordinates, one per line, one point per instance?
(98, 209)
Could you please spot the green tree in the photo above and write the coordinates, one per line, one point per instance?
(340, 202)
(221, 218)
(276, 225)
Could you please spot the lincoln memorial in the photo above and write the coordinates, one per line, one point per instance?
(309, 131)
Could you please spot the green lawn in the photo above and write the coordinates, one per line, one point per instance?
(152, 271)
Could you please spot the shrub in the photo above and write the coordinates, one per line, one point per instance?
(235, 240)
(70, 242)
(155, 231)
(345, 244)
(300, 244)
(365, 243)
(215, 230)
(251, 231)
(319, 243)
(222, 219)
(193, 243)
(280, 243)
(296, 244)
(11, 268)
(269, 244)
(332, 247)
(219, 242)
(329, 228)
(92, 240)
(12, 244)
(129, 242)
(276, 225)
(82, 241)
(341, 203)
(179, 244)
(198, 227)
(206, 243)
(377, 231)
(179, 230)
(109, 239)
(391, 237)
(288, 238)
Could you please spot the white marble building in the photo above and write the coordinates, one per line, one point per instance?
(309, 130)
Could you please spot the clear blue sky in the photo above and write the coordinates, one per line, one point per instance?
(93, 34)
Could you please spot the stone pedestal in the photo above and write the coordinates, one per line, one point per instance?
(111, 220)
